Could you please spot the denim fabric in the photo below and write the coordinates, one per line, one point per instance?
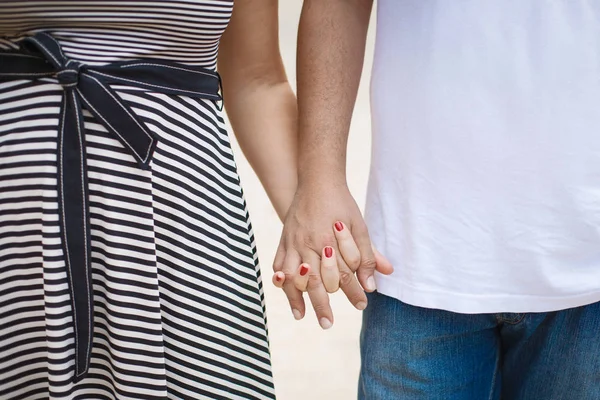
(416, 353)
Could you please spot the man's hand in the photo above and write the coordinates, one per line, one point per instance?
(331, 44)
(308, 229)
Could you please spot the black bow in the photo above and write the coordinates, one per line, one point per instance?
(42, 56)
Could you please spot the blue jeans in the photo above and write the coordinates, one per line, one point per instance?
(416, 353)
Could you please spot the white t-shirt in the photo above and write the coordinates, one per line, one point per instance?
(485, 182)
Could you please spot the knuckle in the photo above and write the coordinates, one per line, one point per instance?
(359, 228)
(277, 266)
(368, 262)
(314, 281)
(314, 241)
(328, 239)
(346, 278)
(305, 240)
(321, 308)
(354, 262)
(289, 277)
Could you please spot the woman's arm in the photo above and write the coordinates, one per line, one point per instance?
(259, 101)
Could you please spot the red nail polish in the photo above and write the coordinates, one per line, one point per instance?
(303, 270)
(278, 278)
(328, 252)
(339, 226)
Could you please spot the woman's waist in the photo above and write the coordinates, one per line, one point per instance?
(102, 51)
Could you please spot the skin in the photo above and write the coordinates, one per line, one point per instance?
(259, 101)
(331, 46)
(262, 109)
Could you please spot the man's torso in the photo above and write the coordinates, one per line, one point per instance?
(485, 179)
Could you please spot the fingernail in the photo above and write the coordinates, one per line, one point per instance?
(371, 284)
(328, 252)
(339, 226)
(303, 270)
(278, 277)
(361, 305)
(325, 323)
(297, 314)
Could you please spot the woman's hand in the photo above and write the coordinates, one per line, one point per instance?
(329, 272)
(328, 251)
(301, 278)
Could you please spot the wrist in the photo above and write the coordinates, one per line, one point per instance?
(321, 175)
(316, 163)
(321, 157)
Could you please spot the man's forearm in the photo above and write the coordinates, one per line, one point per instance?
(331, 46)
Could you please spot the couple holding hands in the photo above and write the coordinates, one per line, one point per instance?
(128, 268)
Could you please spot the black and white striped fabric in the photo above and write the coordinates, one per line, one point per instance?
(177, 292)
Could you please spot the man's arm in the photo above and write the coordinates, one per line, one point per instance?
(331, 49)
(331, 46)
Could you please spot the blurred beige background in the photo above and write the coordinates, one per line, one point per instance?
(309, 363)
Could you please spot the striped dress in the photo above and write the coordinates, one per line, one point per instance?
(178, 308)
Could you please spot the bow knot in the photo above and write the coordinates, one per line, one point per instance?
(69, 76)
(89, 86)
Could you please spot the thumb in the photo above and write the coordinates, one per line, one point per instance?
(383, 266)
(366, 271)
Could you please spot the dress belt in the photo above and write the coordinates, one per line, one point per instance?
(41, 56)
